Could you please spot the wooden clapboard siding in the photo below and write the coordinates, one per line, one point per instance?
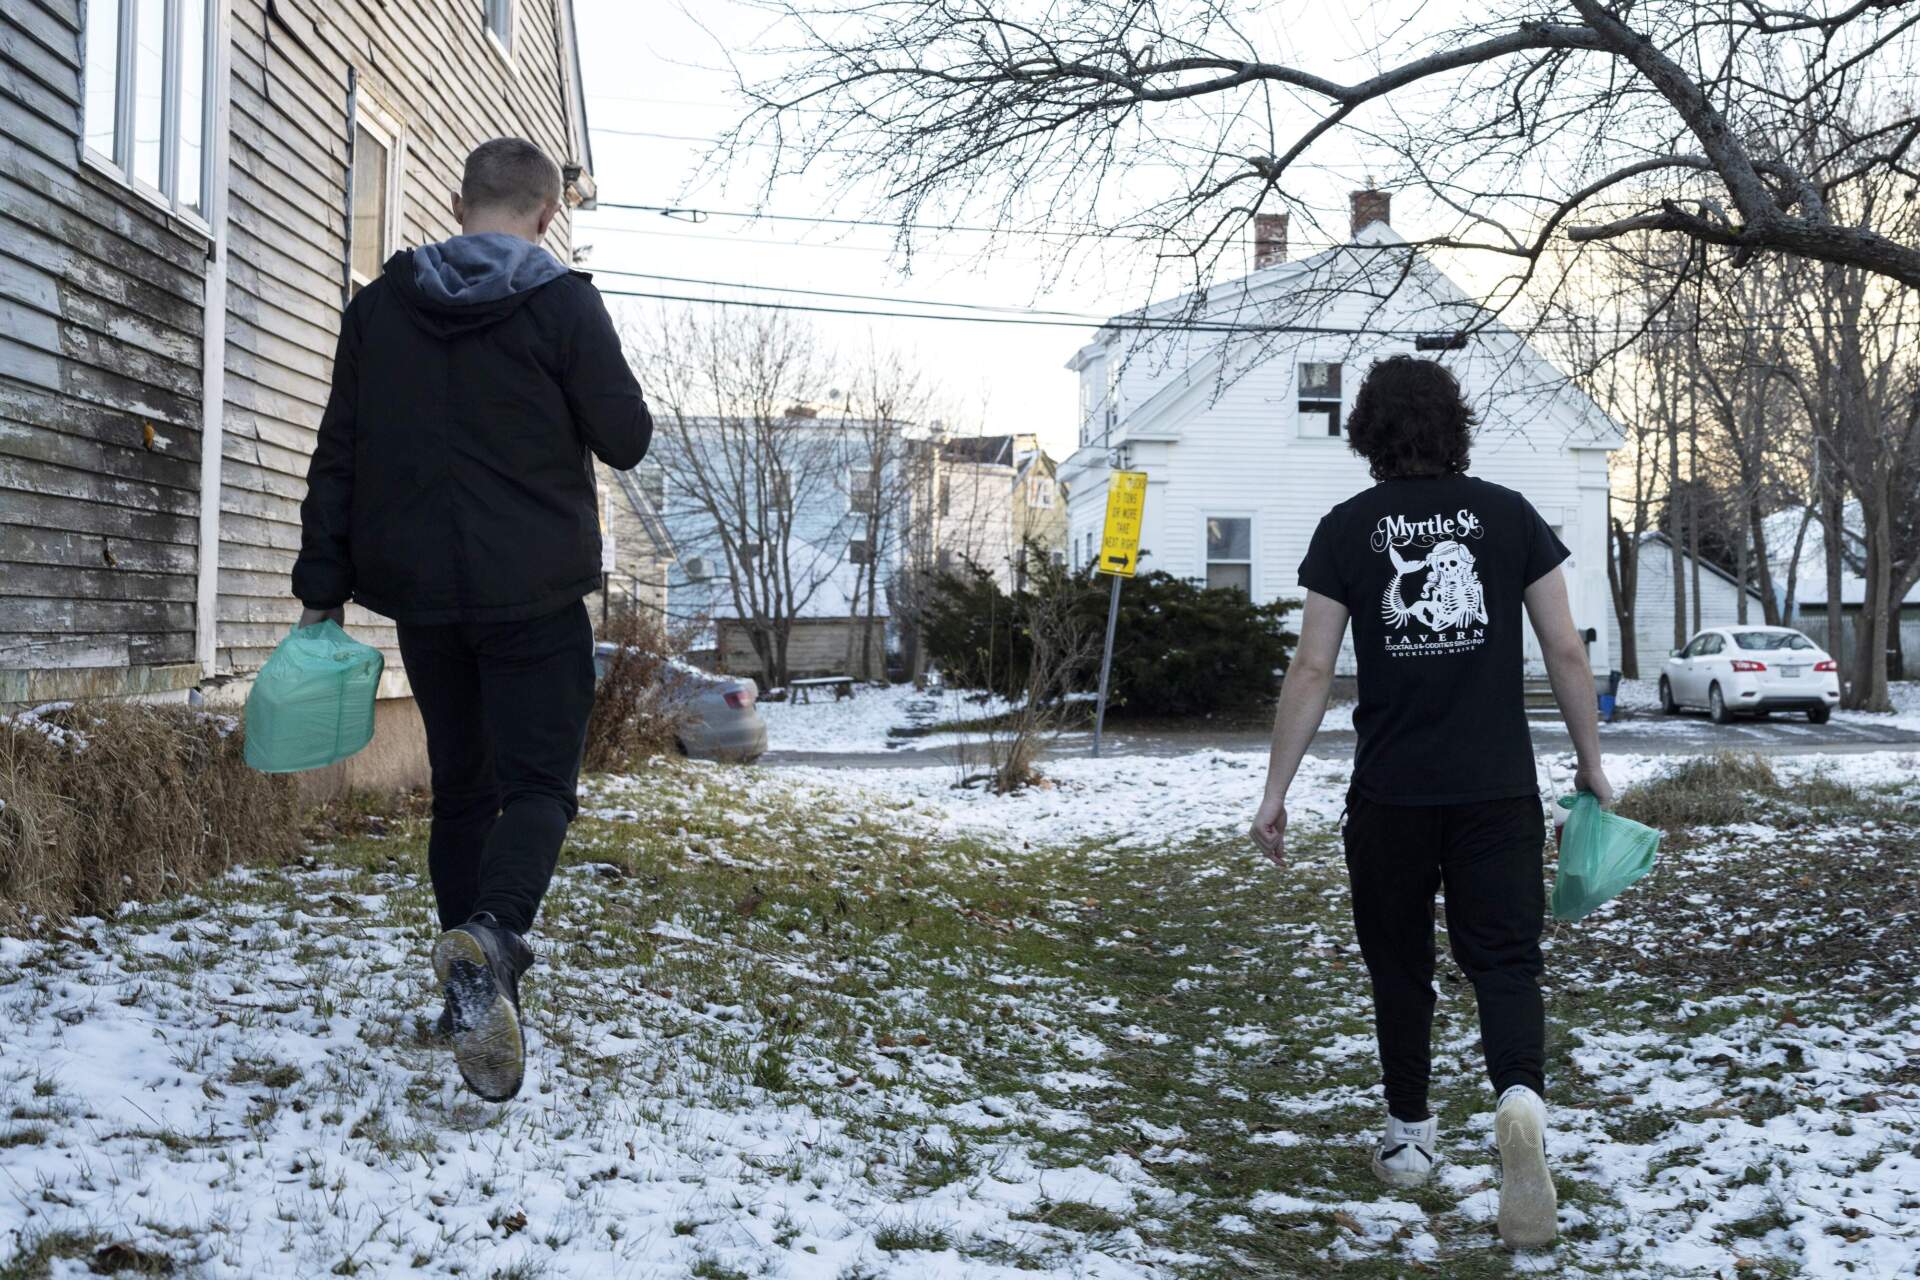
(100, 365)
(101, 320)
(429, 69)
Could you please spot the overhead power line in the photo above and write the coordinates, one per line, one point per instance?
(1063, 320)
(695, 215)
(1088, 317)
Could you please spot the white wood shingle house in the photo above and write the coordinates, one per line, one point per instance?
(190, 191)
(1234, 405)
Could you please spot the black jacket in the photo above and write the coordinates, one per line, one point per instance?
(452, 480)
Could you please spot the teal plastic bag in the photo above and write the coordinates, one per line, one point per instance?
(312, 703)
(1601, 854)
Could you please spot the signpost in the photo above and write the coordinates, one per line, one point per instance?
(1119, 553)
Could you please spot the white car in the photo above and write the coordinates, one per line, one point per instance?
(1731, 670)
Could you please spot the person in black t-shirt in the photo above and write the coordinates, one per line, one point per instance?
(1434, 567)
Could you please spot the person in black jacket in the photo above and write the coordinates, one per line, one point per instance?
(452, 490)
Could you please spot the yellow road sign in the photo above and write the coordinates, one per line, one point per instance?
(1120, 540)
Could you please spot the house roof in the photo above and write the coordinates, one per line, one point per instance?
(985, 449)
(1585, 424)
(1810, 583)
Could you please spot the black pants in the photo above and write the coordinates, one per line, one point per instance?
(505, 706)
(1487, 854)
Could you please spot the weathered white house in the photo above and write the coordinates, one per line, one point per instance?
(1719, 598)
(1234, 405)
(190, 192)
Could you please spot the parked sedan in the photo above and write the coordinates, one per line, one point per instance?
(721, 719)
(1735, 670)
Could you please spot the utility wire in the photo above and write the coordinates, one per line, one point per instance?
(1052, 319)
(1088, 316)
(696, 216)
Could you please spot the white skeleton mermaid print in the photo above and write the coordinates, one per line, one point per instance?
(1449, 613)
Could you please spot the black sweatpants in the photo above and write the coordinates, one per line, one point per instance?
(505, 706)
(1487, 854)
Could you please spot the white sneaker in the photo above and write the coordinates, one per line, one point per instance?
(1404, 1157)
(1527, 1205)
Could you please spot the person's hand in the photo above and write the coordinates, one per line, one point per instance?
(1592, 778)
(310, 616)
(1270, 829)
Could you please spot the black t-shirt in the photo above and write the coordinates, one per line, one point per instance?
(1433, 570)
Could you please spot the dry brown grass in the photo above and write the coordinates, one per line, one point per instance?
(112, 802)
(633, 719)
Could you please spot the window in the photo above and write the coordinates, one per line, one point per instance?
(1040, 491)
(858, 552)
(1703, 644)
(1319, 385)
(782, 491)
(1111, 401)
(860, 494)
(499, 20)
(653, 486)
(1230, 552)
(1769, 641)
(375, 187)
(147, 94)
(946, 495)
(1059, 559)
(945, 560)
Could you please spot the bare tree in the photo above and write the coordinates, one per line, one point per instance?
(1061, 640)
(743, 455)
(1657, 116)
(888, 400)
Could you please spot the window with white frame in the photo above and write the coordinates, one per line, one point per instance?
(1040, 491)
(860, 494)
(499, 21)
(782, 491)
(148, 94)
(1230, 552)
(1319, 395)
(375, 189)
(1110, 402)
(859, 552)
(946, 495)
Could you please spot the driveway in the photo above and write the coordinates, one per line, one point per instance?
(1639, 734)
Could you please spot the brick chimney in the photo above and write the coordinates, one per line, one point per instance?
(1269, 239)
(1370, 206)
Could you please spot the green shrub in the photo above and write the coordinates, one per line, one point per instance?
(1179, 649)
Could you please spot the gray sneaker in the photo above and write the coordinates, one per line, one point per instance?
(1528, 1207)
(479, 966)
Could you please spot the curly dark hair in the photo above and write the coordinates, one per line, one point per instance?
(1410, 419)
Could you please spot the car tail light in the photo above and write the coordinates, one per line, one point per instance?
(740, 699)
(1748, 664)
(1828, 665)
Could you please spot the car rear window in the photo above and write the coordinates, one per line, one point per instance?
(1771, 640)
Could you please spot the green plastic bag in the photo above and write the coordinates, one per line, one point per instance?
(1601, 854)
(312, 703)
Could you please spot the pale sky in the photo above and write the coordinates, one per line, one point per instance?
(659, 91)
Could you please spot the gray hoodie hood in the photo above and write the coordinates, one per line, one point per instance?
(467, 270)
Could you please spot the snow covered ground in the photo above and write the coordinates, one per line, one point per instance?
(809, 1023)
(873, 719)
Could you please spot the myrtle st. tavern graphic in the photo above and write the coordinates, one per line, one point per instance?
(1449, 612)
